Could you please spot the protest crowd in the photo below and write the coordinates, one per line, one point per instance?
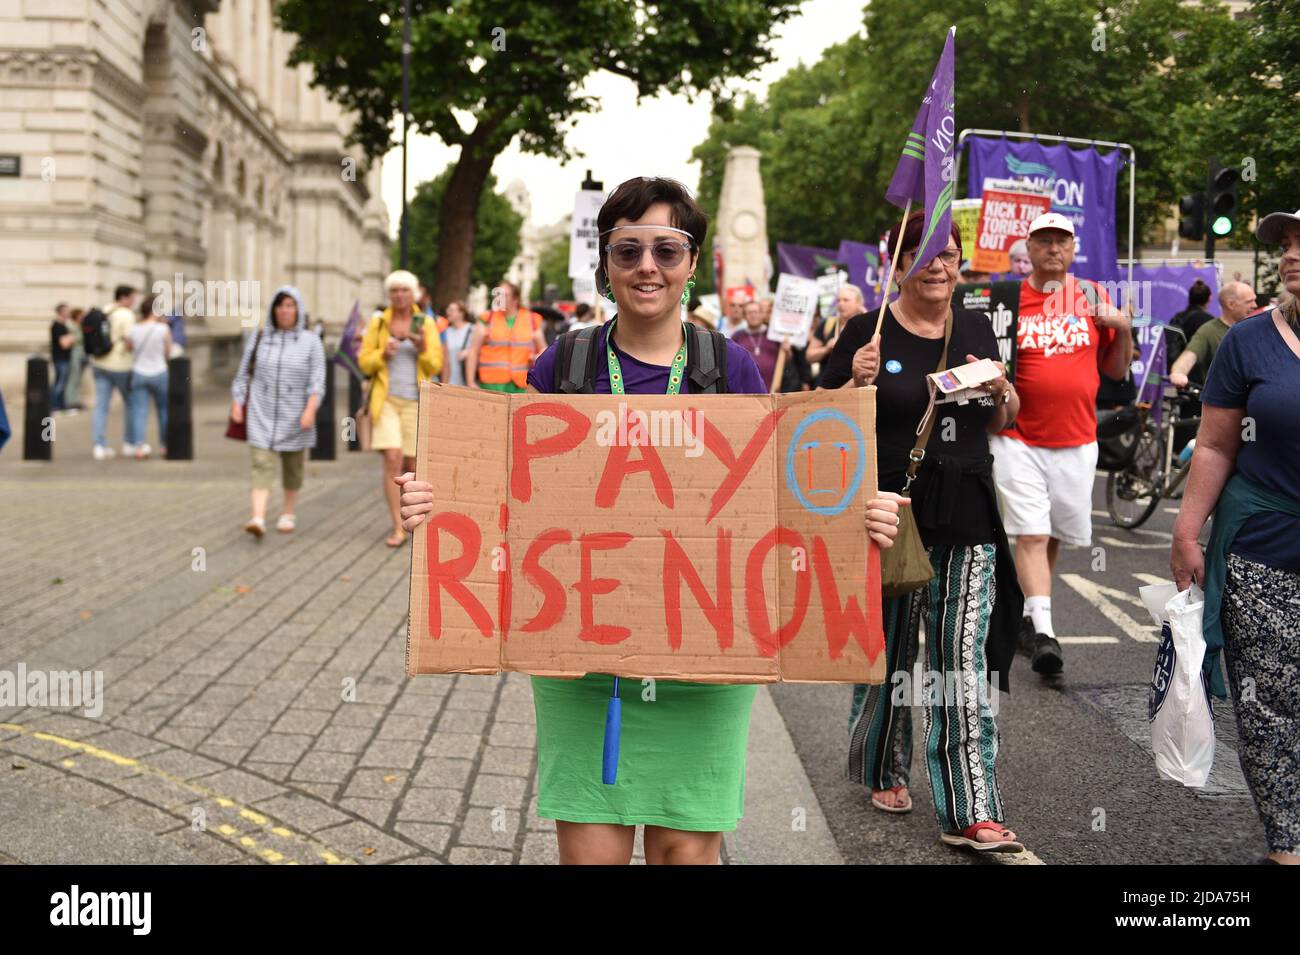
(975, 497)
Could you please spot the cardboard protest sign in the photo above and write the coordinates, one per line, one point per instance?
(792, 310)
(711, 538)
(1000, 301)
(1007, 210)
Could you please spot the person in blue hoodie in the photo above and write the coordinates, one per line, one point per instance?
(277, 390)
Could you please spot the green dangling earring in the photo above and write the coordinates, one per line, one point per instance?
(686, 292)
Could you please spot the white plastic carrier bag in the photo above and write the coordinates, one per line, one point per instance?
(1178, 706)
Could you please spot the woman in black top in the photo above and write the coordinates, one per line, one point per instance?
(972, 607)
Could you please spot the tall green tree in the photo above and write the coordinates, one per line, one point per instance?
(485, 72)
(496, 225)
(1125, 71)
(553, 268)
(1250, 119)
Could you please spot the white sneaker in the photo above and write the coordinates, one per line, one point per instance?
(128, 450)
(142, 452)
(104, 453)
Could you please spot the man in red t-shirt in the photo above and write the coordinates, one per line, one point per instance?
(1067, 332)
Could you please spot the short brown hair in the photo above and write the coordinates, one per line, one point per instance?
(912, 232)
(631, 200)
(464, 311)
(634, 197)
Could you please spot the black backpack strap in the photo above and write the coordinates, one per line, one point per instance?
(706, 360)
(575, 366)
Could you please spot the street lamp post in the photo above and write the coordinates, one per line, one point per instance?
(406, 108)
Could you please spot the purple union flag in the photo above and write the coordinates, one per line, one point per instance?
(925, 171)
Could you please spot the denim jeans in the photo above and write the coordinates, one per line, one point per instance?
(60, 382)
(106, 382)
(142, 389)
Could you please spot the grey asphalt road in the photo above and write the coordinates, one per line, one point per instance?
(1075, 769)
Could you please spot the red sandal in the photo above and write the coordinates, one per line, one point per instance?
(905, 807)
(966, 839)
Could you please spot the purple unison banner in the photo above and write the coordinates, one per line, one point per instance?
(863, 262)
(1160, 293)
(1082, 184)
(1162, 289)
(804, 260)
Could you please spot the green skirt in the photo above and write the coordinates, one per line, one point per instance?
(681, 762)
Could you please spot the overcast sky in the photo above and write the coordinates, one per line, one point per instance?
(623, 139)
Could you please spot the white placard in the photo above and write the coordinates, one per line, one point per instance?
(584, 289)
(828, 288)
(584, 240)
(792, 310)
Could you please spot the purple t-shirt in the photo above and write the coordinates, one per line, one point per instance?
(765, 350)
(640, 378)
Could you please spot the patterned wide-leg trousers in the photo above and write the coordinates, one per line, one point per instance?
(1261, 640)
(961, 740)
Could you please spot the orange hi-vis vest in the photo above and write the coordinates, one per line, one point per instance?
(507, 352)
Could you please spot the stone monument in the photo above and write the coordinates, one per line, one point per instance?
(740, 235)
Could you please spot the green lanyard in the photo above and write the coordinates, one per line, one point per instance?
(616, 371)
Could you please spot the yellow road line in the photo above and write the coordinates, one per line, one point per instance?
(273, 827)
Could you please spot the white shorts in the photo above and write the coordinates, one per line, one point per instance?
(1045, 490)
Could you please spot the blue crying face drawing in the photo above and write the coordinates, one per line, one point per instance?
(825, 462)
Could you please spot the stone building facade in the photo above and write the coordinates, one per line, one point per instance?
(533, 239)
(164, 144)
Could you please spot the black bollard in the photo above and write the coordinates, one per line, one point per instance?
(354, 405)
(180, 410)
(38, 425)
(325, 443)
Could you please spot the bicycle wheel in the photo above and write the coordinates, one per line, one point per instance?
(1132, 494)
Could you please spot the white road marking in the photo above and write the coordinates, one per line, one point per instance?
(1102, 597)
(1133, 545)
(1163, 535)
(1151, 578)
(1170, 510)
(1087, 639)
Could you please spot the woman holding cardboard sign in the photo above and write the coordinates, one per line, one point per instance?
(973, 602)
(681, 765)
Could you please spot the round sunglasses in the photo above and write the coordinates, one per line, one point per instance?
(667, 253)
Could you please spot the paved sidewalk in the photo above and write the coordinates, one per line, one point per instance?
(256, 709)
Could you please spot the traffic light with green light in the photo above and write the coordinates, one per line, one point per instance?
(1221, 199)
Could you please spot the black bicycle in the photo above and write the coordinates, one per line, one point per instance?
(1157, 456)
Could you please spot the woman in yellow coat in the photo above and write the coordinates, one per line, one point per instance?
(399, 350)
